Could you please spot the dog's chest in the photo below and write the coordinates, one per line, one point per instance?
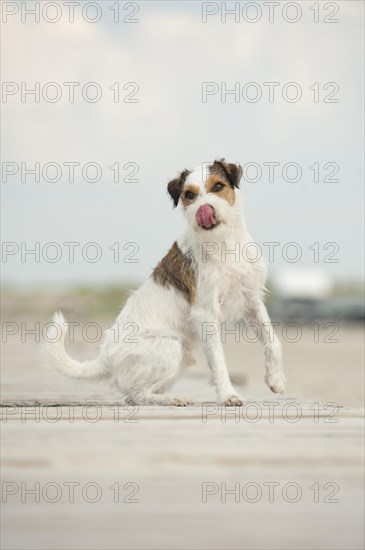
(235, 290)
(230, 285)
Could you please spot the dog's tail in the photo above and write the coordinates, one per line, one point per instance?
(56, 354)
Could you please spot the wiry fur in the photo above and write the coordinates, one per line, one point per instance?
(169, 323)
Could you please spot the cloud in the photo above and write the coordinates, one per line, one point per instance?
(169, 54)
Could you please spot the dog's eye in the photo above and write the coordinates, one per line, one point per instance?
(189, 195)
(218, 187)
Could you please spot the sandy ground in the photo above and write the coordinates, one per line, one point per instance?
(328, 370)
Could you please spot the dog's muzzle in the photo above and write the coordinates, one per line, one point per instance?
(205, 216)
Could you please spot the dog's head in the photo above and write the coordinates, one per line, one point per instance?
(207, 194)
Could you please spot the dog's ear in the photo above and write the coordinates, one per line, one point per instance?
(176, 185)
(233, 172)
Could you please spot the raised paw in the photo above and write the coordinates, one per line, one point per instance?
(233, 401)
(276, 381)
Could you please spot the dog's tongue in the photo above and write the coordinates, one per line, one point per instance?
(204, 216)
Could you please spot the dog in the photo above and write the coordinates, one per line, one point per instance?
(194, 286)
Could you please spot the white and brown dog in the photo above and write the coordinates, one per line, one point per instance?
(193, 285)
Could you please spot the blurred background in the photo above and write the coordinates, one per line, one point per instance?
(158, 87)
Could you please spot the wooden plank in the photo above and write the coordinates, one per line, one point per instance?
(202, 475)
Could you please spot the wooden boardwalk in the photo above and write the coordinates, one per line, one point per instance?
(80, 472)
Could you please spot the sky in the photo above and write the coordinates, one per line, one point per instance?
(151, 69)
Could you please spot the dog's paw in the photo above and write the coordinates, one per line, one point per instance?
(233, 401)
(276, 381)
(178, 402)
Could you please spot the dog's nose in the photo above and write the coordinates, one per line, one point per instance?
(205, 216)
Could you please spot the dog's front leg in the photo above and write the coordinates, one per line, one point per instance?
(210, 335)
(274, 377)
